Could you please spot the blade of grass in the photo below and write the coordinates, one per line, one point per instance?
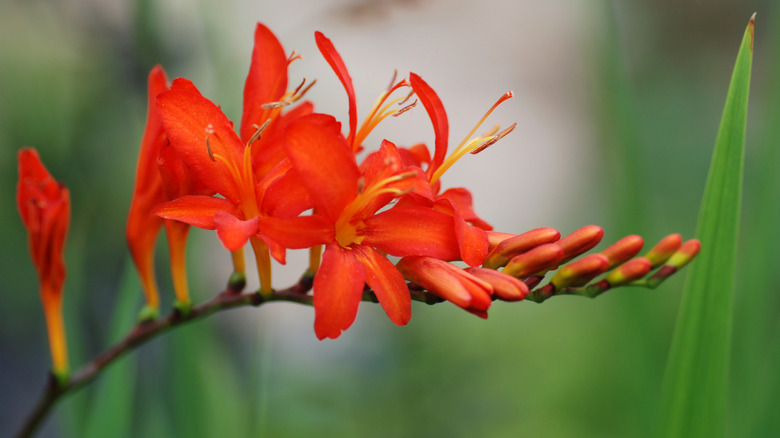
(695, 386)
(111, 412)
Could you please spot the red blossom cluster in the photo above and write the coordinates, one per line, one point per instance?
(290, 179)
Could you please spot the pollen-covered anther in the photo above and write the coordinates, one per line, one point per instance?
(300, 91)
(208, 148)
(405, 109)
(209, 129)
(493, 139)
(537, 260)
(630, 271)
(258, 132)
(582, 271)
(274, 105)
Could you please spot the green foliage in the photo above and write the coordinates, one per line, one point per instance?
(694, 401)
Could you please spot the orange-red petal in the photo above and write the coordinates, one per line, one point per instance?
(266, 81)
(324, 162)
(404, 231)
(387, 283)
(438, 115)
(234, 232)
(298, 232)
(338, 289)
(201, 133)
(337, 64)
(196, 210)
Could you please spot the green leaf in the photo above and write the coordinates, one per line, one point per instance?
(696, 382)
(111, 412)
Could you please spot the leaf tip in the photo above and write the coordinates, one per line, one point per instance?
(751, 28)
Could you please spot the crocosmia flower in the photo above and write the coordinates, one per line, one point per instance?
(44, 205)
(356, 236)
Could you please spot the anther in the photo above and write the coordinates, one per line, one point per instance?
(298, 95)
(258, 132)
(273, 105)
(406, 108)
(494, 139)
(208, 148)
(209, 129)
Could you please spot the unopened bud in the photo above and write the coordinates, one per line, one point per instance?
(580, 241)
(685, 254)
(630, 271)
(664, 249)
(519, 244)
(536, 260)
(505, 287)
(623, 250)
(580, 272)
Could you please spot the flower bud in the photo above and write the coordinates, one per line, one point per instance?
(580, 241)
(448, 281)
(541, 258)
(505, 287)
(664, 249)
(628, 272)
(685, 254)
(623, 250)
(519, 244)
(580, 272)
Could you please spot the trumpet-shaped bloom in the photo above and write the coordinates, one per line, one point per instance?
(142, 225)
(249, 171)
(44, 205)
(356, 236)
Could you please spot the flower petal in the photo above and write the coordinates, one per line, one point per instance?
(204, 139)
(404, 231)
(298, 232)
(196, 210)
(472, 241)
(338, 288)
(462, 200)
(388, 284)
(438, 115)
(234, 232)
(337, 64)
(267, 79)
(324, 162)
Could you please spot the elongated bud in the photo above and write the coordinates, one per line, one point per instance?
(630, 271)
(495, 238)
(664, 249)
(685, 254)
(505, 287)
(536, 260)
(580, 241)
(677, 261)
(623, 250)
(448, 281)
(580, 272)
(519, 244)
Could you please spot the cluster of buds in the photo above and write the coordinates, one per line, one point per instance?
(290, 179)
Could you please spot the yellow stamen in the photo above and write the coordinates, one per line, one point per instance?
(477, 144)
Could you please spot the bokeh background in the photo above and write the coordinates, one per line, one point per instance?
(617, 105)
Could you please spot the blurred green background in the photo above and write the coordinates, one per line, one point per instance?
(617, 106)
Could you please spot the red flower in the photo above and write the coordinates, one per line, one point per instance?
(143, 226)
(44, 205)
(248, 171)
(347, 201)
